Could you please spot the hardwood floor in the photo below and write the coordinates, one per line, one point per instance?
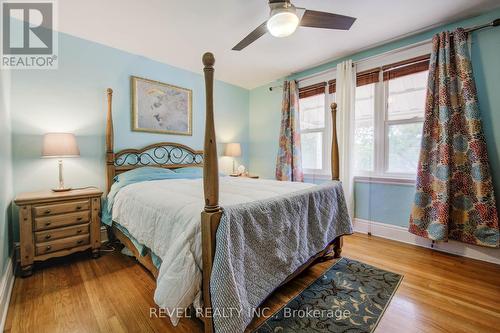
(439, 293)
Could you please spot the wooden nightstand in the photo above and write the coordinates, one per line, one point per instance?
(55, 224)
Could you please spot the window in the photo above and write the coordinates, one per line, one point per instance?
(364, 120)
(389, 113)
(364, 124)
(315, 126)
(405, 115)
(364, 129)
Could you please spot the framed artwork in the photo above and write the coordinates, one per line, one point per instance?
(161, 108)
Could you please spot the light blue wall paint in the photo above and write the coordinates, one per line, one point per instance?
(6, 192)
(385, 203)
(264, 121)
(72, 98)
(486, 64)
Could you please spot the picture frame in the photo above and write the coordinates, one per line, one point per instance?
(162, 108)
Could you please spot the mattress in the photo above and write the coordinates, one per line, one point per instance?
(164, 215)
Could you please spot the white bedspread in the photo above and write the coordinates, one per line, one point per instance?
(164, 215)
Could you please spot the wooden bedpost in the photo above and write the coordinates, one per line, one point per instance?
(210, 163)
(110, 155)
(338, 242)
(210, 217)
(335, 144)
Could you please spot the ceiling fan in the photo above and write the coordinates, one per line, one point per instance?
(285, 18)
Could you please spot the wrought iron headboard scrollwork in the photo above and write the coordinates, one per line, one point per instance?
(163, 155)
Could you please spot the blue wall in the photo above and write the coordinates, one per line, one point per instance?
(6, 192)
(265, 111)
(387, 203)
(72, 98)
(264, 120)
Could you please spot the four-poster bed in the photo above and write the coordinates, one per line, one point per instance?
(176, 156)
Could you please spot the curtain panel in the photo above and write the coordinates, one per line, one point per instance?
(345, 97)
(289, 161)
(454, 192)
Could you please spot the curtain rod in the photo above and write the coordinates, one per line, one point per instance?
(494, 23)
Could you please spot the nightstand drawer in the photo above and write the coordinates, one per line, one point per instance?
(66, 207)
(50, 222)
(49, 235)
(61, 244)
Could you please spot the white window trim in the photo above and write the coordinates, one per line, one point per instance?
(325, 172)
(386, 148)
(385, 180)
(393, 57)
(381, 122)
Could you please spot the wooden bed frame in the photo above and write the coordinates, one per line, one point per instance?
(174, 155)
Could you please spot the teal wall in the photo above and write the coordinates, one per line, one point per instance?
(6, 192)
(264, 121)
(72, 98)
(387, 203)
(265, 111)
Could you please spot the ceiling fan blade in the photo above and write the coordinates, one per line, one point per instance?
(252, 37)
(315, 19)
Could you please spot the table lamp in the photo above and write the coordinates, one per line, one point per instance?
(233, 150)
(60, 145)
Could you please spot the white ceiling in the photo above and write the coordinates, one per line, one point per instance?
(178, 32)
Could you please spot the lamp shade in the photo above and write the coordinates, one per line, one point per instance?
(60, 145)
(233, 150)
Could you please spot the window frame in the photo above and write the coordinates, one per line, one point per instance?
(360, 172)
(327, 136)
(386, 126)
(381, 122)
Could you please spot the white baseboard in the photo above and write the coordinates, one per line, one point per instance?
(6, 285)
(401, 234)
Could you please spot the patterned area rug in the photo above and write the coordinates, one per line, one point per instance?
(350, 297)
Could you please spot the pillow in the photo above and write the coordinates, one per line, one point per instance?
(142, 173)
(193, 172)
(190, 172)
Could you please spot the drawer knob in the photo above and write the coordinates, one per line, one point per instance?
(48, 223)
(80, 241)
(78, 207)
(79, 218)
(48, 247)
(48, 237)
(47, 211)
(79, 231)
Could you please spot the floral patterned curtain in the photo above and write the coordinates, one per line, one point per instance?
(454, 193)
(289, 162)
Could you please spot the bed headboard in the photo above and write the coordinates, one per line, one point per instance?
(169, 155)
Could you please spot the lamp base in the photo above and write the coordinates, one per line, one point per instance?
(61, 189)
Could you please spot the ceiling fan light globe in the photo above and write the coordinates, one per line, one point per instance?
(282, 23)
